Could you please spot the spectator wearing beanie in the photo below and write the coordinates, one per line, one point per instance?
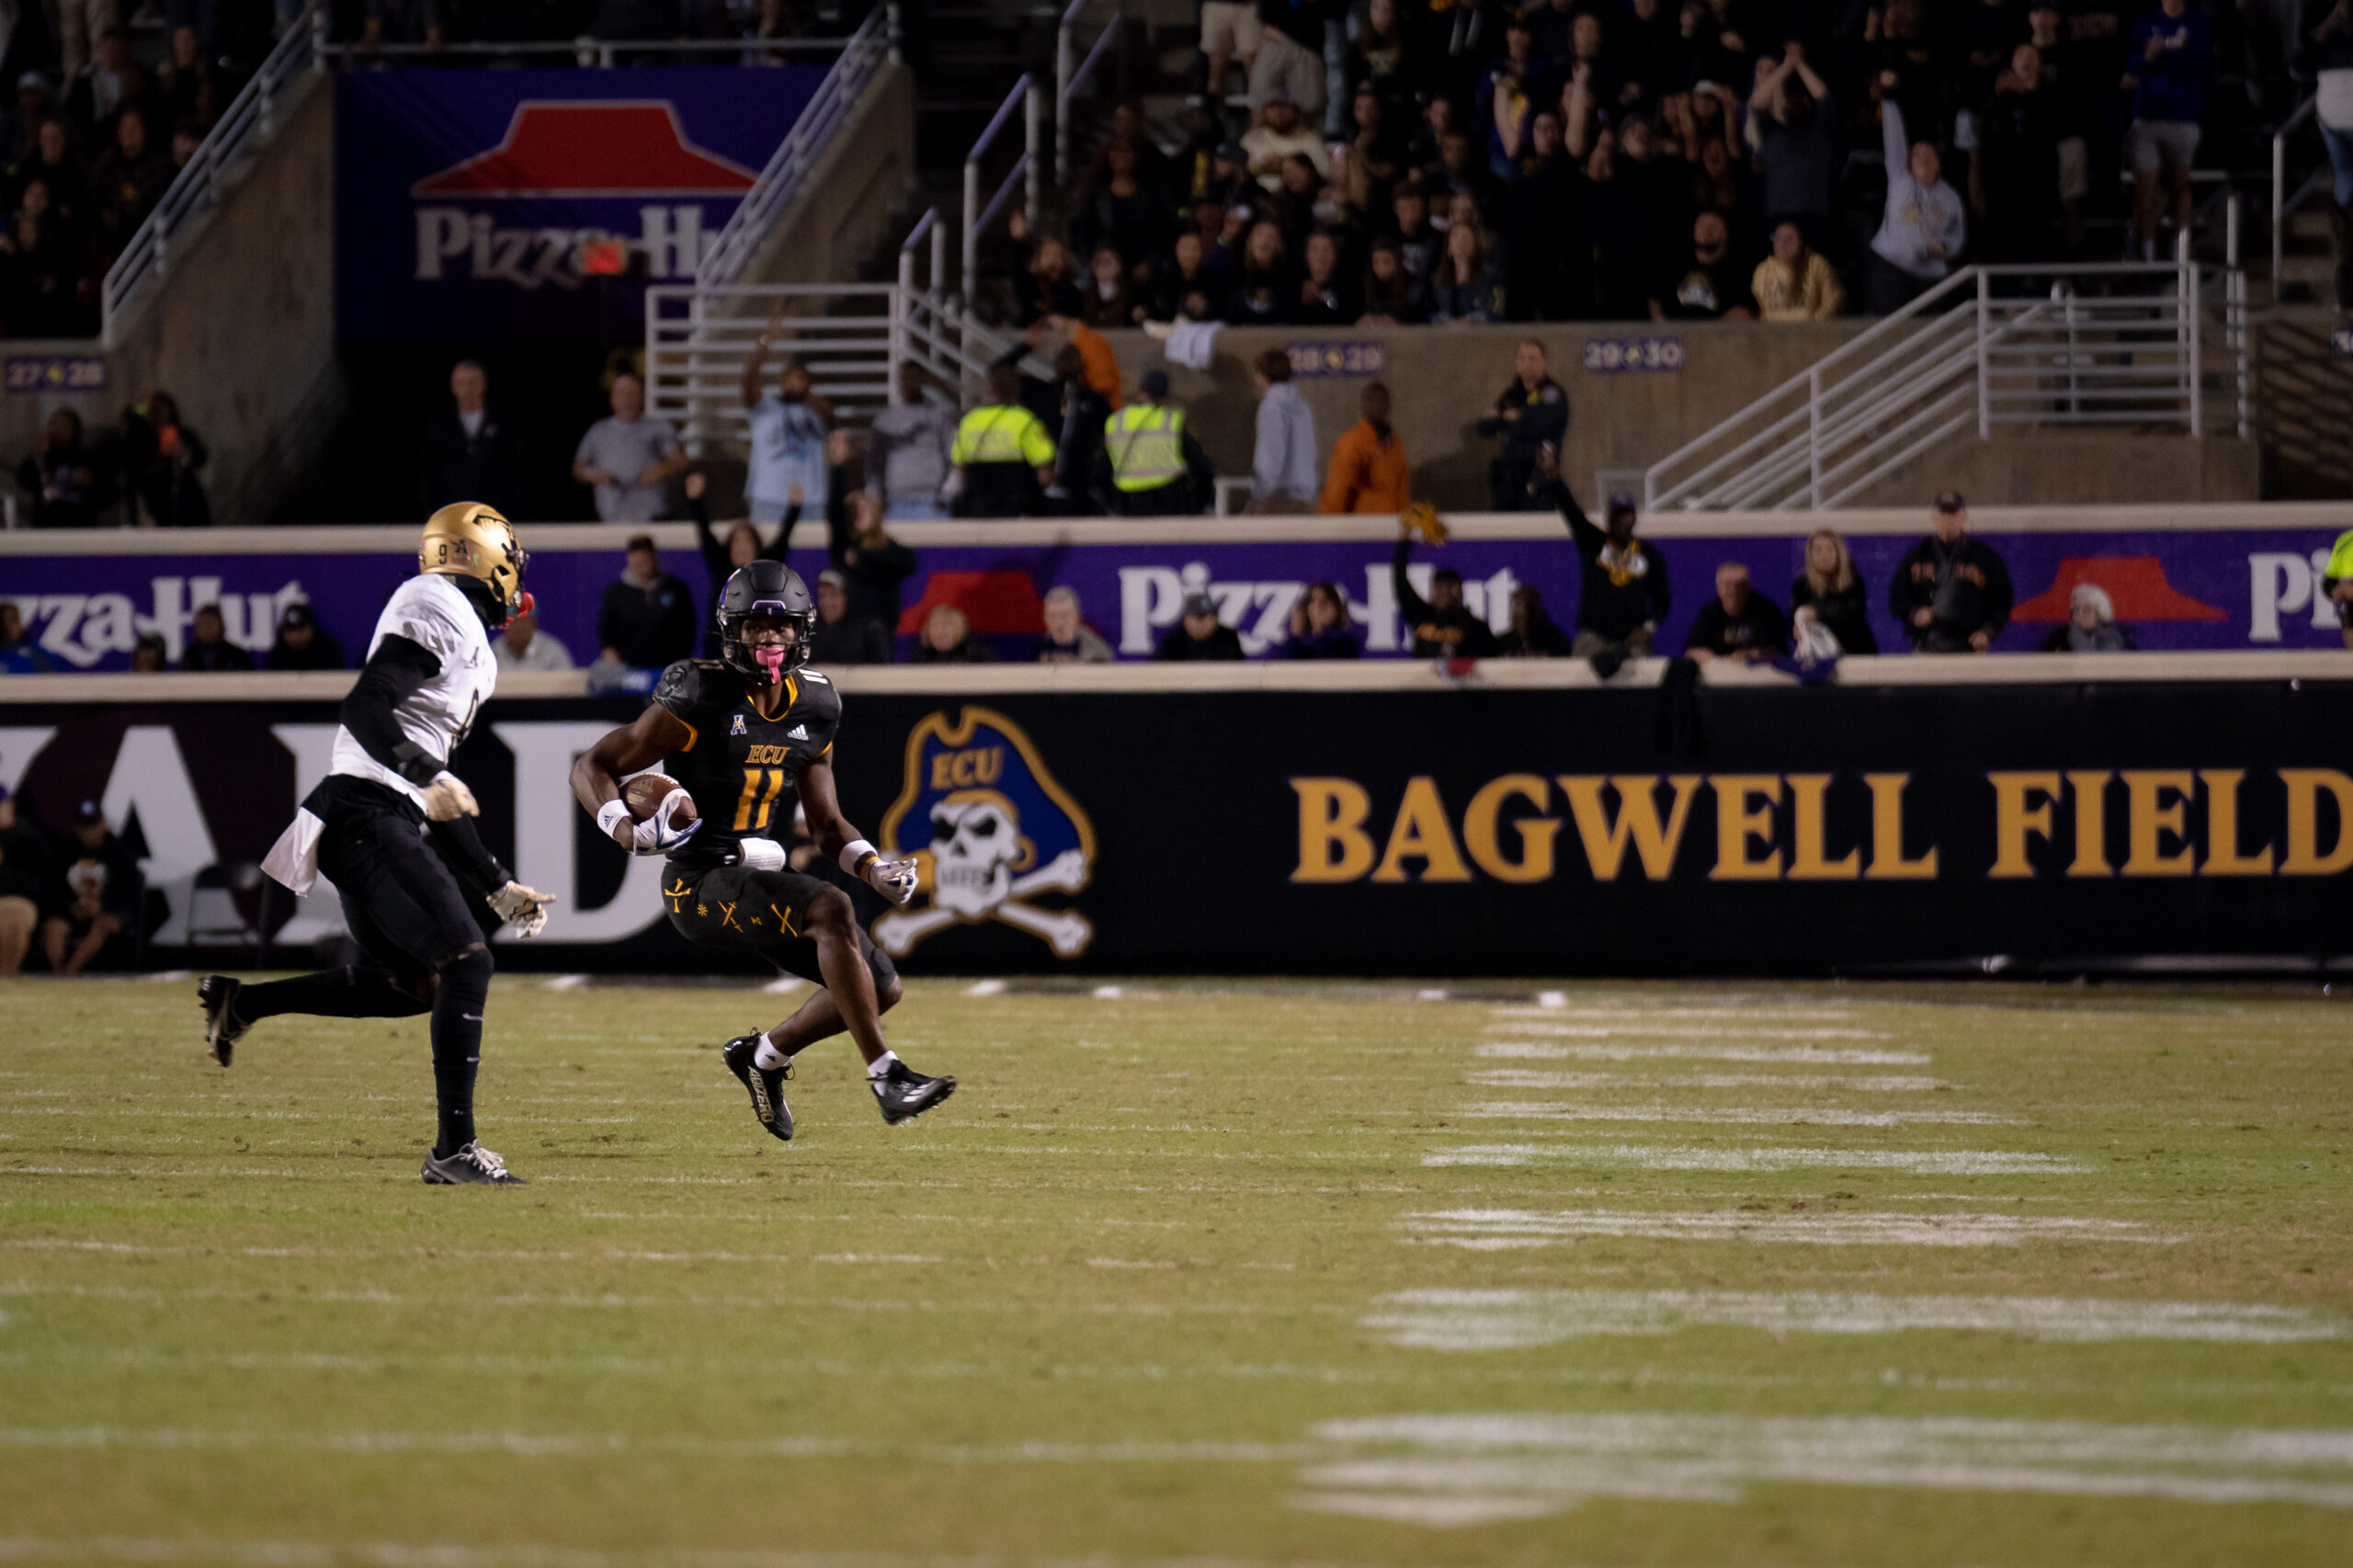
(302, 643)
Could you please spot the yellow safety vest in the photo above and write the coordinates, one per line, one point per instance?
(2340, 560)
(1146, 447)
(1002, 433)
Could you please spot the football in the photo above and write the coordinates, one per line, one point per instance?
(645, 792)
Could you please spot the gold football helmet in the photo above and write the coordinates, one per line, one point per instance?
(467, 539)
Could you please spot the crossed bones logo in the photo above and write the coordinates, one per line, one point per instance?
(991, 805)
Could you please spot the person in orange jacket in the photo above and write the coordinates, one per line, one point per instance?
(1095, 351)
(1369, 471)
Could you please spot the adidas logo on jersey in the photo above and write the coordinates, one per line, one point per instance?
(798, 733)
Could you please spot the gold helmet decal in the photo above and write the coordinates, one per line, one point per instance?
(467, 539)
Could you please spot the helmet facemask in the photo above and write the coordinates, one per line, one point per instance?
(765, 588)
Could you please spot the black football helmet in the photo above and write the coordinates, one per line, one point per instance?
(764, 587)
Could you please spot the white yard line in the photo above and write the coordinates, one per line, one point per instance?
(1653, 1031)
(1522, 1320)
(347, 1553)
(1798, 1054)
(985, 988)
(1502, 1230)
(1528, 1078)
(1464, 1470)
(784, 985)
(564, 982)
(1688, 1157)
(1729, 1116)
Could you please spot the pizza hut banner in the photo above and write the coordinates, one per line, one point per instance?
(1542, 831)
(533, 206)
(2188, 589)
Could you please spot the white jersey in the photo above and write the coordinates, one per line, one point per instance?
(433, 613)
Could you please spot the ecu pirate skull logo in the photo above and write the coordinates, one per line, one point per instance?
(999, 831)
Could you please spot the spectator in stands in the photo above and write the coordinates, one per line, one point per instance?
(522, 646)
(1199, 635)
(1707, 283)
(1829, 594)
(1951, 592)
(94, 897)
(873, 566)
(1796, 282)
(741, 547)
(63, 476)
(1319, 626)
(1624, 594)
(1369, 471)
(841, 638)
(20, 127)
(53, 163)
(1283, 461)
(2327, 57)
(302, 643)
(1325, 297)
(112, 83)
(1739, 623)
(1637, 213)
(1391, 297)
(1548, 257)
(187, 137)
(1532, 636)
(2015, 178)
(1287, 71)
(1793, 129)
(24, 884)
(1229, 32)
(1048, 287)
(628, 458)
(1003, 457)
(1531, 414)
(208, 649)
(1465, 288)
(1078, 439)
(19, 654)
(1068, 639)
(906, 456)
(188, 91)
(789, 428)
(948, 639)
(1107, 302)
(1266, 290)
(1121, 219)
(647, 619)
(1442, 626)
(161, 456)
(1181, 276)
(127, 180)
(147, 657)
(1923, 227)
(471, 452)
(1279, 135)
(2170, 61)
(1153, 466)
(2090, 626)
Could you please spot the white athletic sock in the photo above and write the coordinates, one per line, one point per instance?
(881, 1066)
(768, 1058)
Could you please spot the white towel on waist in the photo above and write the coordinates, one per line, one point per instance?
(294, 859)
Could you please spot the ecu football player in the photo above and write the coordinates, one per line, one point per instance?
(393, 829)
(745, 735)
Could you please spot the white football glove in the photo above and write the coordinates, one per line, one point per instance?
(654, 835)
(759, 854)
(447, 799)
(894, 880)
(524, 908)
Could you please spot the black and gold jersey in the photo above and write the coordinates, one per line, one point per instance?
(742, 770)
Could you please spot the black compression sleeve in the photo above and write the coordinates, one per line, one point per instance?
(460, 845)
(392, 672)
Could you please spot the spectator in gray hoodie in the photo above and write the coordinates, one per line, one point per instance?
(906, 459)
(1925, 226)
(1282, 466)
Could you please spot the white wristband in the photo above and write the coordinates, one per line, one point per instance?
(855, 852)
(612, 814)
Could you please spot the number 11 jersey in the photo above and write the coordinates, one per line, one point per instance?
(742, 770)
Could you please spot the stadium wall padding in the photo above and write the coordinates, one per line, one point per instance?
(1659, 828)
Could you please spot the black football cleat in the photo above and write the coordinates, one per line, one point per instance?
(906, 1094)
(217, 995)
(766, 1085)
(473, 1166)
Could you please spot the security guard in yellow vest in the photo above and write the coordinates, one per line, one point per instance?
(1154, 466)
(1004, 457)
(2336, 582)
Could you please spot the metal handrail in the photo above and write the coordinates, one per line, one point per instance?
(830, 108)
(250, 118)
(585, 50)
(1025, 96)
(1914, 380)
(2282, 204)
(1069, 78)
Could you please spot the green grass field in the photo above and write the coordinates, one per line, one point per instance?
(1653, 1275)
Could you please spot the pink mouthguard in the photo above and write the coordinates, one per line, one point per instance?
(770, 660)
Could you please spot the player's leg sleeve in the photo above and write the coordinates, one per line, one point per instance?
(350, 992)
(456, 1045)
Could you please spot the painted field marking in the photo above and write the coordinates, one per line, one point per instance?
(1430, 993)
(564, 982)
(1446, 1471)
(1505, 1230)
(1746, 1032)
(985, 988)
(1523, 1320)
(342, 1553)
(1548, 1000)
(1778, 1010)
(1688, 1157)
(1528, 1078)
(1105, 993)
(1730, 1116)
(1535, 1051)
(784, 985)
